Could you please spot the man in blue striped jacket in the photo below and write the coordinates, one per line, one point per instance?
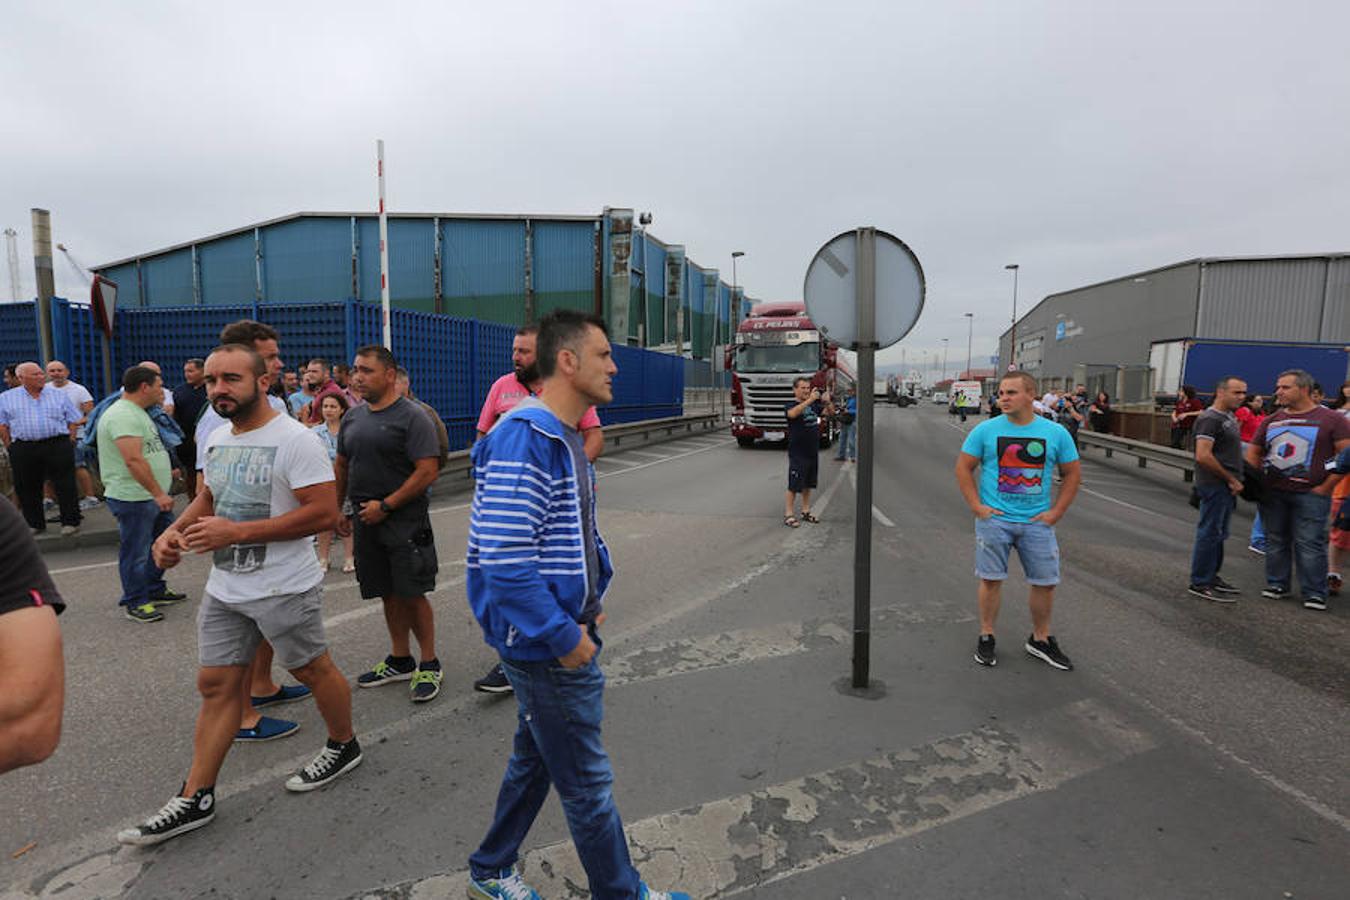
(537, 573)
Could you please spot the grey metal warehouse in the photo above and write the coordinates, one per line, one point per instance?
(1101, 331)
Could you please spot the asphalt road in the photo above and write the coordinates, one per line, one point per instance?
(1196, 751)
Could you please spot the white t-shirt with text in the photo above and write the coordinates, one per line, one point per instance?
(210, 420)
(253, 476)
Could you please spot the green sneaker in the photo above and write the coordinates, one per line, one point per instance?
(508, 885)
(168, 598)
(146, 612)
(426, 684)
(388, 671)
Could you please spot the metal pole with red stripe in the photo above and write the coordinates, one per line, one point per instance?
(384, 251)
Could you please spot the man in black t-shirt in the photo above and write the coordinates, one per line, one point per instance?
(387, 457)
(189, 399)
(803, 440)
(31, 670)
(1218, 481)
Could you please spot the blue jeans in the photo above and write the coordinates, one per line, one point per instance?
(848, 441)
(139, 522)
(1296, 537)
(558, 743)
(1216, 509)
(1258, 532)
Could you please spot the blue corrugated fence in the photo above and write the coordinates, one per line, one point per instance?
(452, 361)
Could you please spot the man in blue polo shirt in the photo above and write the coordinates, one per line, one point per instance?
(38, 424)
(1017, 453)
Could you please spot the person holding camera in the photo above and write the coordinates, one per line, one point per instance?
(803, 440)
(387, 457)
(848, 428)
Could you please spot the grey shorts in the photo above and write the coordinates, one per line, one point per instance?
(228, 634)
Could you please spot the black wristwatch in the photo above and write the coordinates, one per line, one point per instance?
(385, 508)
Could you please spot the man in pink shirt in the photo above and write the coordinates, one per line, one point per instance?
(505, 393)
(515, 386)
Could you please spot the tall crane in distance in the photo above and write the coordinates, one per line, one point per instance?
(80, 270)
(12, 246)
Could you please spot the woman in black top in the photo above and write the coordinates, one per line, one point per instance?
(1099, 413)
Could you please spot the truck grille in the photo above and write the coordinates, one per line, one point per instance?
(764, 404)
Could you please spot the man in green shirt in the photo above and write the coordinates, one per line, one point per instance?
(137, 472)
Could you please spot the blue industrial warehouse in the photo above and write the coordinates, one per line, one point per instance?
(459, 286)
(504, 269)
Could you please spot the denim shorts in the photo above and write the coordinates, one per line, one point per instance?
(1036, 548)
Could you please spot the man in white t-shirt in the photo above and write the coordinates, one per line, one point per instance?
(263, 692)
(269, 486)
(58, 376)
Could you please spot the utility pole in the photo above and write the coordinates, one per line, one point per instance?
(46, 280)
(970, 336)
(12, 247)
(1012, 335)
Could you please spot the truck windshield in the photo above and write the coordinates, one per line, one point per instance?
(781, 358)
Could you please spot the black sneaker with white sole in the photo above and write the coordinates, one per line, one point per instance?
(494, 682)
(1222, 587)
(984, 651)
(179, 816)
(1313, 601)
(1048, 651)
(1211, 593)
(1275, 592)
(333, 761)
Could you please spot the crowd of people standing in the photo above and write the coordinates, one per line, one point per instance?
(273, 477)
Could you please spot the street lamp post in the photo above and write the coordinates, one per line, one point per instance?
(970, 336)
(732, 312)
(944, 360)
(1012, 335)
(731, 306)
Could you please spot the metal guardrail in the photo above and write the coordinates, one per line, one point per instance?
(624, 434)
(1144, 451)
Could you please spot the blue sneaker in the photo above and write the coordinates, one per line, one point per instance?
(267, 729)
(287, 693)
(646, 893)
(508, 885)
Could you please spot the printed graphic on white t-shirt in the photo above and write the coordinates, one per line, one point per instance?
(254, 476)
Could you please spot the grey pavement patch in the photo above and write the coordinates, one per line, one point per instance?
(732, 845)
(732, 648)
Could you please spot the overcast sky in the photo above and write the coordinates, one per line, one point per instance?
(1082, 139)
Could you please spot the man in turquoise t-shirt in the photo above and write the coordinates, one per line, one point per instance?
(136, 472)
(1017, 454)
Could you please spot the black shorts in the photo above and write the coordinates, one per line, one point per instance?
(396, 558)
(802, 472)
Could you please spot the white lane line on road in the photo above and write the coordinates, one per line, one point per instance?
(645, 453)
(737, 844)
(68, 569)
(666, 460)
(876, 511)
(1087, 490)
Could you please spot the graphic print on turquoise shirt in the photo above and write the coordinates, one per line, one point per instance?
(1016, 462)
(1021, 465)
